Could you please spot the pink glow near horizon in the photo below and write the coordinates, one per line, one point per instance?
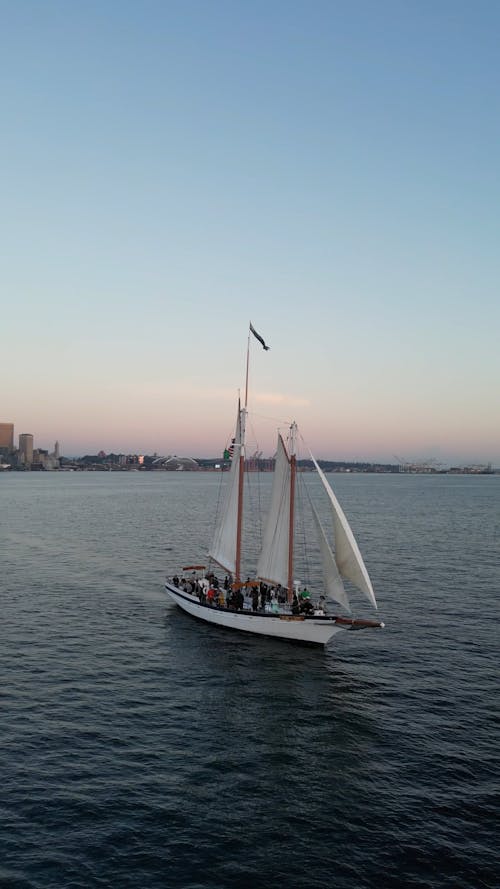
(205, 434)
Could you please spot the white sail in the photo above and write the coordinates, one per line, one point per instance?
(347, 554)
(334, 587)
(273, 561)
(223, 549)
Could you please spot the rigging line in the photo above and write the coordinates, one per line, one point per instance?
(301, 536)
(257, 513)
(250, 486)
(311, 510)
(282, 423)
(304, 442)
(303, 489)
(251, 433)
(218, 505)
(252, 515)
(259, 506)
(307, 551)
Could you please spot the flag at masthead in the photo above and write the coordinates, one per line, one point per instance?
(258, 337)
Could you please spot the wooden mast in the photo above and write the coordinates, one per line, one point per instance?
(239, 520)
(291, 521)
(241, 476)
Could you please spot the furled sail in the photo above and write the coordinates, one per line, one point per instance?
(223, 549)
(273, 561)
(333, 582)
(347, 554)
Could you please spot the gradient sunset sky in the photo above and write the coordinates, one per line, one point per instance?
(328, 170)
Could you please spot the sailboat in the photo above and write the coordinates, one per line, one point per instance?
(272, 603)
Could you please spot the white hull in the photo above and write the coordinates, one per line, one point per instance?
(318, 630)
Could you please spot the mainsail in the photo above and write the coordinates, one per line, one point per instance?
(224, 544)
(273, 560)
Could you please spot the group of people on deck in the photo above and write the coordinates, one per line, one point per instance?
(252, 596)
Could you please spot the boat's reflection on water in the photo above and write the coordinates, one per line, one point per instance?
(289, 701)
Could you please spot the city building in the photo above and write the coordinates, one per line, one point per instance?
(7, 436)
(26, 448)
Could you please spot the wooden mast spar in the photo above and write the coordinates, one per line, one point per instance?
(241, 476)
(291, 522)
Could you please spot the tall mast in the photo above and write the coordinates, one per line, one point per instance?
(241, 479)
(241, 476)
(291, 522)
(246, 378)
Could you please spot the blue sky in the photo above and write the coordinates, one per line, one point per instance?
(328, 170)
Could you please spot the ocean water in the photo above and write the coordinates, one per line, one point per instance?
(141, 748)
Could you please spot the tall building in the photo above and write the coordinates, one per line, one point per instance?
(7, 436)
(26, 448)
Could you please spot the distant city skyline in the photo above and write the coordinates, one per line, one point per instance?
(328, 172)
(252, 446)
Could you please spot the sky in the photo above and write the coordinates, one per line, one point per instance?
(329, 171)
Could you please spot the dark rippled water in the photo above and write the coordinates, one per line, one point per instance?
(142, 749)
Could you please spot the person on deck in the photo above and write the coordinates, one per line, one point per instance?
(238, 600)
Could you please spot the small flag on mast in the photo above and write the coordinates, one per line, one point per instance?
(258, 337)
(228, 452)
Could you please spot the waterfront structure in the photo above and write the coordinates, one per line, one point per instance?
(43, 460)
(175, 464)
(26, 448)
(7, 436)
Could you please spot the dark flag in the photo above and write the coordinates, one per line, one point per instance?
(259, 338)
